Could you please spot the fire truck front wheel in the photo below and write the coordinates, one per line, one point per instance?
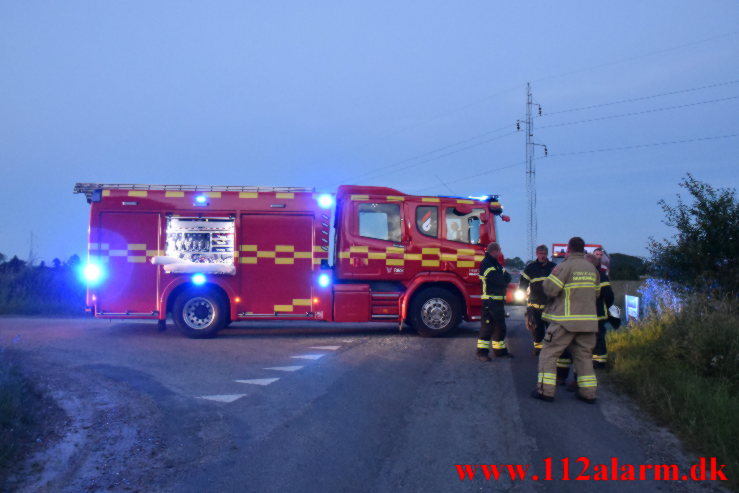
(199, 313)
(435, 312)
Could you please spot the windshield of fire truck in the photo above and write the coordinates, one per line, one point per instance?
(464, 228)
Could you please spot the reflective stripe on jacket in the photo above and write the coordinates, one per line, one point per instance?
(494, 279)
(573, 286)
(533, 275)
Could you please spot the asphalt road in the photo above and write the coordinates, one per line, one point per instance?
(309, 407)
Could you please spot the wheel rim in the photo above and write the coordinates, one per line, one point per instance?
(436, 313)
(198, 313)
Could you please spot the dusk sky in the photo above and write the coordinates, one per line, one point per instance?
(418, 96)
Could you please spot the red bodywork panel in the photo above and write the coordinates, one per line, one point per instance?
(386, 246)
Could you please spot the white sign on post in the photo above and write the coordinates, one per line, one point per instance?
(632, 306)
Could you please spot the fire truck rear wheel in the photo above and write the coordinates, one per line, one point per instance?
(199, 313)
(435, 312)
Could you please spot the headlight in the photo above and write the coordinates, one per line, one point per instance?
(519, 295)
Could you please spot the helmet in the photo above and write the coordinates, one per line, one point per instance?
(614, 311)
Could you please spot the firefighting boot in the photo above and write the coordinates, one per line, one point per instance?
(502, 353)
(482, 355)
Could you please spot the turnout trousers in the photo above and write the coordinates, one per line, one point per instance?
(600, 353)
(536, 325)
(581, 344)
(492, 328)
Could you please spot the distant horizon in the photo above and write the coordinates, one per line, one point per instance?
(429, 99)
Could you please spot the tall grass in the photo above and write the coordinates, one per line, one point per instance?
(683, 367)
(40, 290)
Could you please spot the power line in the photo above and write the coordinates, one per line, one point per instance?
(564, 74)
(634, 113)
(481, 173)
(402, 168)
(636, 57)
(643, 98)
(639, 146)
(433, 151)
(590, 151)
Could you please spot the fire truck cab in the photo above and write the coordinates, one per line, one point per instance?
(559, 252)
(211, 255)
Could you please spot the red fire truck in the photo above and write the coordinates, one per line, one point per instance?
(559, 252)
(210, 255)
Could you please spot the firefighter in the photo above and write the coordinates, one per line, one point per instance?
(495, 281)
(532, 278)
(573, 286)
(604, 302)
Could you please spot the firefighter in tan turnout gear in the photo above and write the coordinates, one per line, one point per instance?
(572, 288)
(495, 281)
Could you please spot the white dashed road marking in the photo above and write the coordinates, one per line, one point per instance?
(308, 356)
(223, 397)
(327, 348)
(284, 368)
(259, 381)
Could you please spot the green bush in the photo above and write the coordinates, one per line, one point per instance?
(684, 369)
(40, 290)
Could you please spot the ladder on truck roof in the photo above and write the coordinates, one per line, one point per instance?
(88, 188)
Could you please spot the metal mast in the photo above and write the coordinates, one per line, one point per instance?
(530, 175)
(531, 171)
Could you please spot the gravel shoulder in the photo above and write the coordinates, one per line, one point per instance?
(100, 435)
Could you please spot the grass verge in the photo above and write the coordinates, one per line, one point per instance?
(683, 368)
(18, 409)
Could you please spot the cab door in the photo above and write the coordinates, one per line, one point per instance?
(276, 265)
(372, 244)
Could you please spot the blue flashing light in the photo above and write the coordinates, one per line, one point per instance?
(483, 198)
(325, 201)
(92, 273)
(201, 199)
(198, 279)
(324, 280)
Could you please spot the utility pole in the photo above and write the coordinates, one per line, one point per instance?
(531, 171)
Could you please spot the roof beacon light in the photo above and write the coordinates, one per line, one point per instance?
(324, 280)
(325, 201)
(198, 279)
(483, 198)
(201, 200)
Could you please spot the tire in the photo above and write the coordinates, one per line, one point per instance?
(435, 312)
(200, 313)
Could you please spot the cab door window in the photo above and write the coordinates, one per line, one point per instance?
(427, 220)
(379, 221)
(464, 228)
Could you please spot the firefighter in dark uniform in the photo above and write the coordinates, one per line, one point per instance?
(605, 300)
(495, 281)
(532, 278)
